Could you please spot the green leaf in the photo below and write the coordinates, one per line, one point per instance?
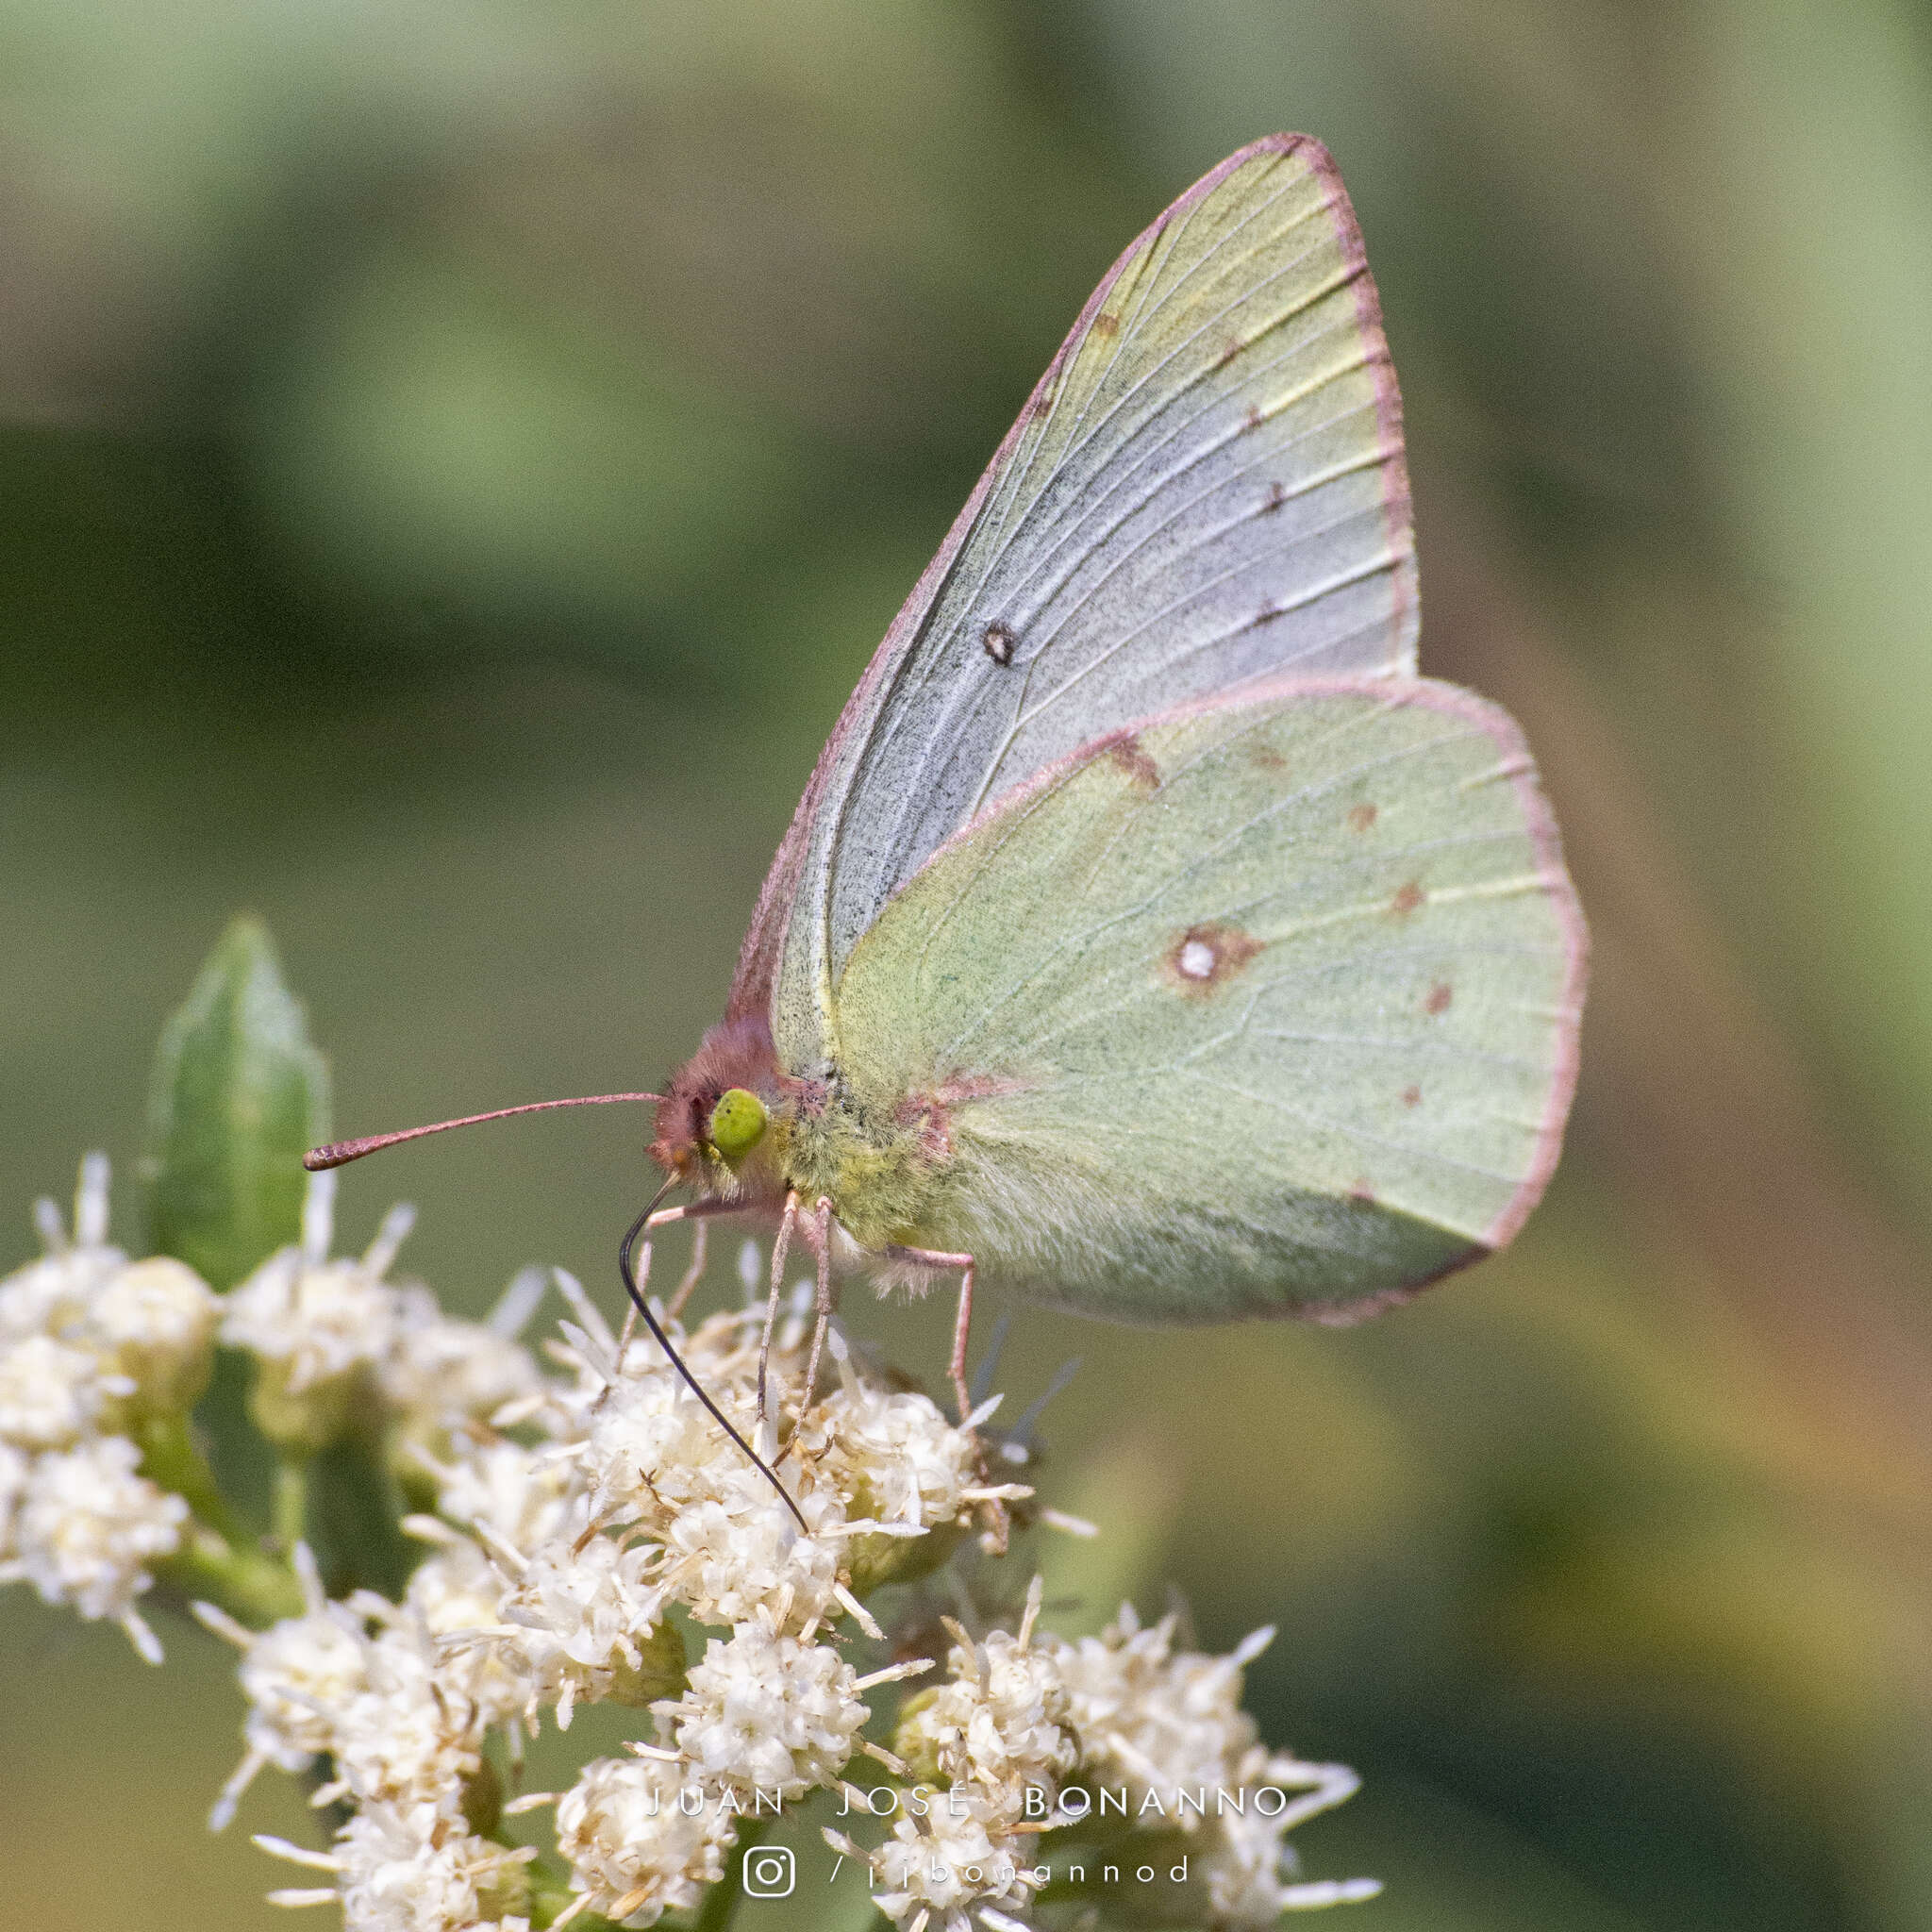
(239, 1095)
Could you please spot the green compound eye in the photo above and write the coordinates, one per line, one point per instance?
(737, 1124)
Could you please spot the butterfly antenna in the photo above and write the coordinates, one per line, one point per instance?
(340, 1153)
(677, 1361)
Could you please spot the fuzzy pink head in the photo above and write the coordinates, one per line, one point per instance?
(737, 1053)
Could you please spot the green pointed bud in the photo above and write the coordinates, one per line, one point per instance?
(239, 1095)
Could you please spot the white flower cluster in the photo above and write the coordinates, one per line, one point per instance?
(97, 1353)
(91, 1346)
(568, 1557)
(338, 1346)
(1164, 1728)
(1031, 1728)
(597, 1538)
(366, 1685)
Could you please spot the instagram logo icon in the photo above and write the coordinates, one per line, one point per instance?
(770, 1872)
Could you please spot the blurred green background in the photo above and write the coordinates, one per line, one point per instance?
(454, 461)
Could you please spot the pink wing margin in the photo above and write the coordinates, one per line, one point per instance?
(757, 961)
(1541, 823)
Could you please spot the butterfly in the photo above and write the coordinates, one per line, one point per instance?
(1152, 939)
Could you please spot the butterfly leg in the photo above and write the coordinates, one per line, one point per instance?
(963, 1328)
(995, 1542)
(962, 1321)
(694, 1274)
(779, 1249)
(697, 1211)
(703, 1213)
(824, 1302)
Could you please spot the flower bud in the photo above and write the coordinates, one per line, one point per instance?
(154, 1323)
(319, 1329)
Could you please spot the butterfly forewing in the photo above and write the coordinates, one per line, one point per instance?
(1270, 1006)
(1206, 487)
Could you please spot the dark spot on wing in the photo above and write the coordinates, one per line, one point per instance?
(1277, 495)
(1042, 405)
(1106, 324)
(1252, 417)
(1264, 754)
(999, 640)
(1207, 957)
(1267, 614)
(1411, 1096)
(1228, 352)
(1439, 996)
(1360, 817)
(1132, 757)
(1408, 895)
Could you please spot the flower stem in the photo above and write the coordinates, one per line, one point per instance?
(352, 1517)
(170, 1458)
(253, 1589)
(289, 1510)
(721, 1903)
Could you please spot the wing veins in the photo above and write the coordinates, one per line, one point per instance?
(1350, 722)
(1085, 940)
(1387, 563)
(1088, 507)
(1164, 246)
(1025, 715)
(1263, 458)
(1077, 445)
(1322, 1120)
(998, 540)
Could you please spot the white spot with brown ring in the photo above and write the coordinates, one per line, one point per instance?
(1206, 955)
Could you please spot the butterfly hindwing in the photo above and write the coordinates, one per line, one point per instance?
(1269, 1006)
